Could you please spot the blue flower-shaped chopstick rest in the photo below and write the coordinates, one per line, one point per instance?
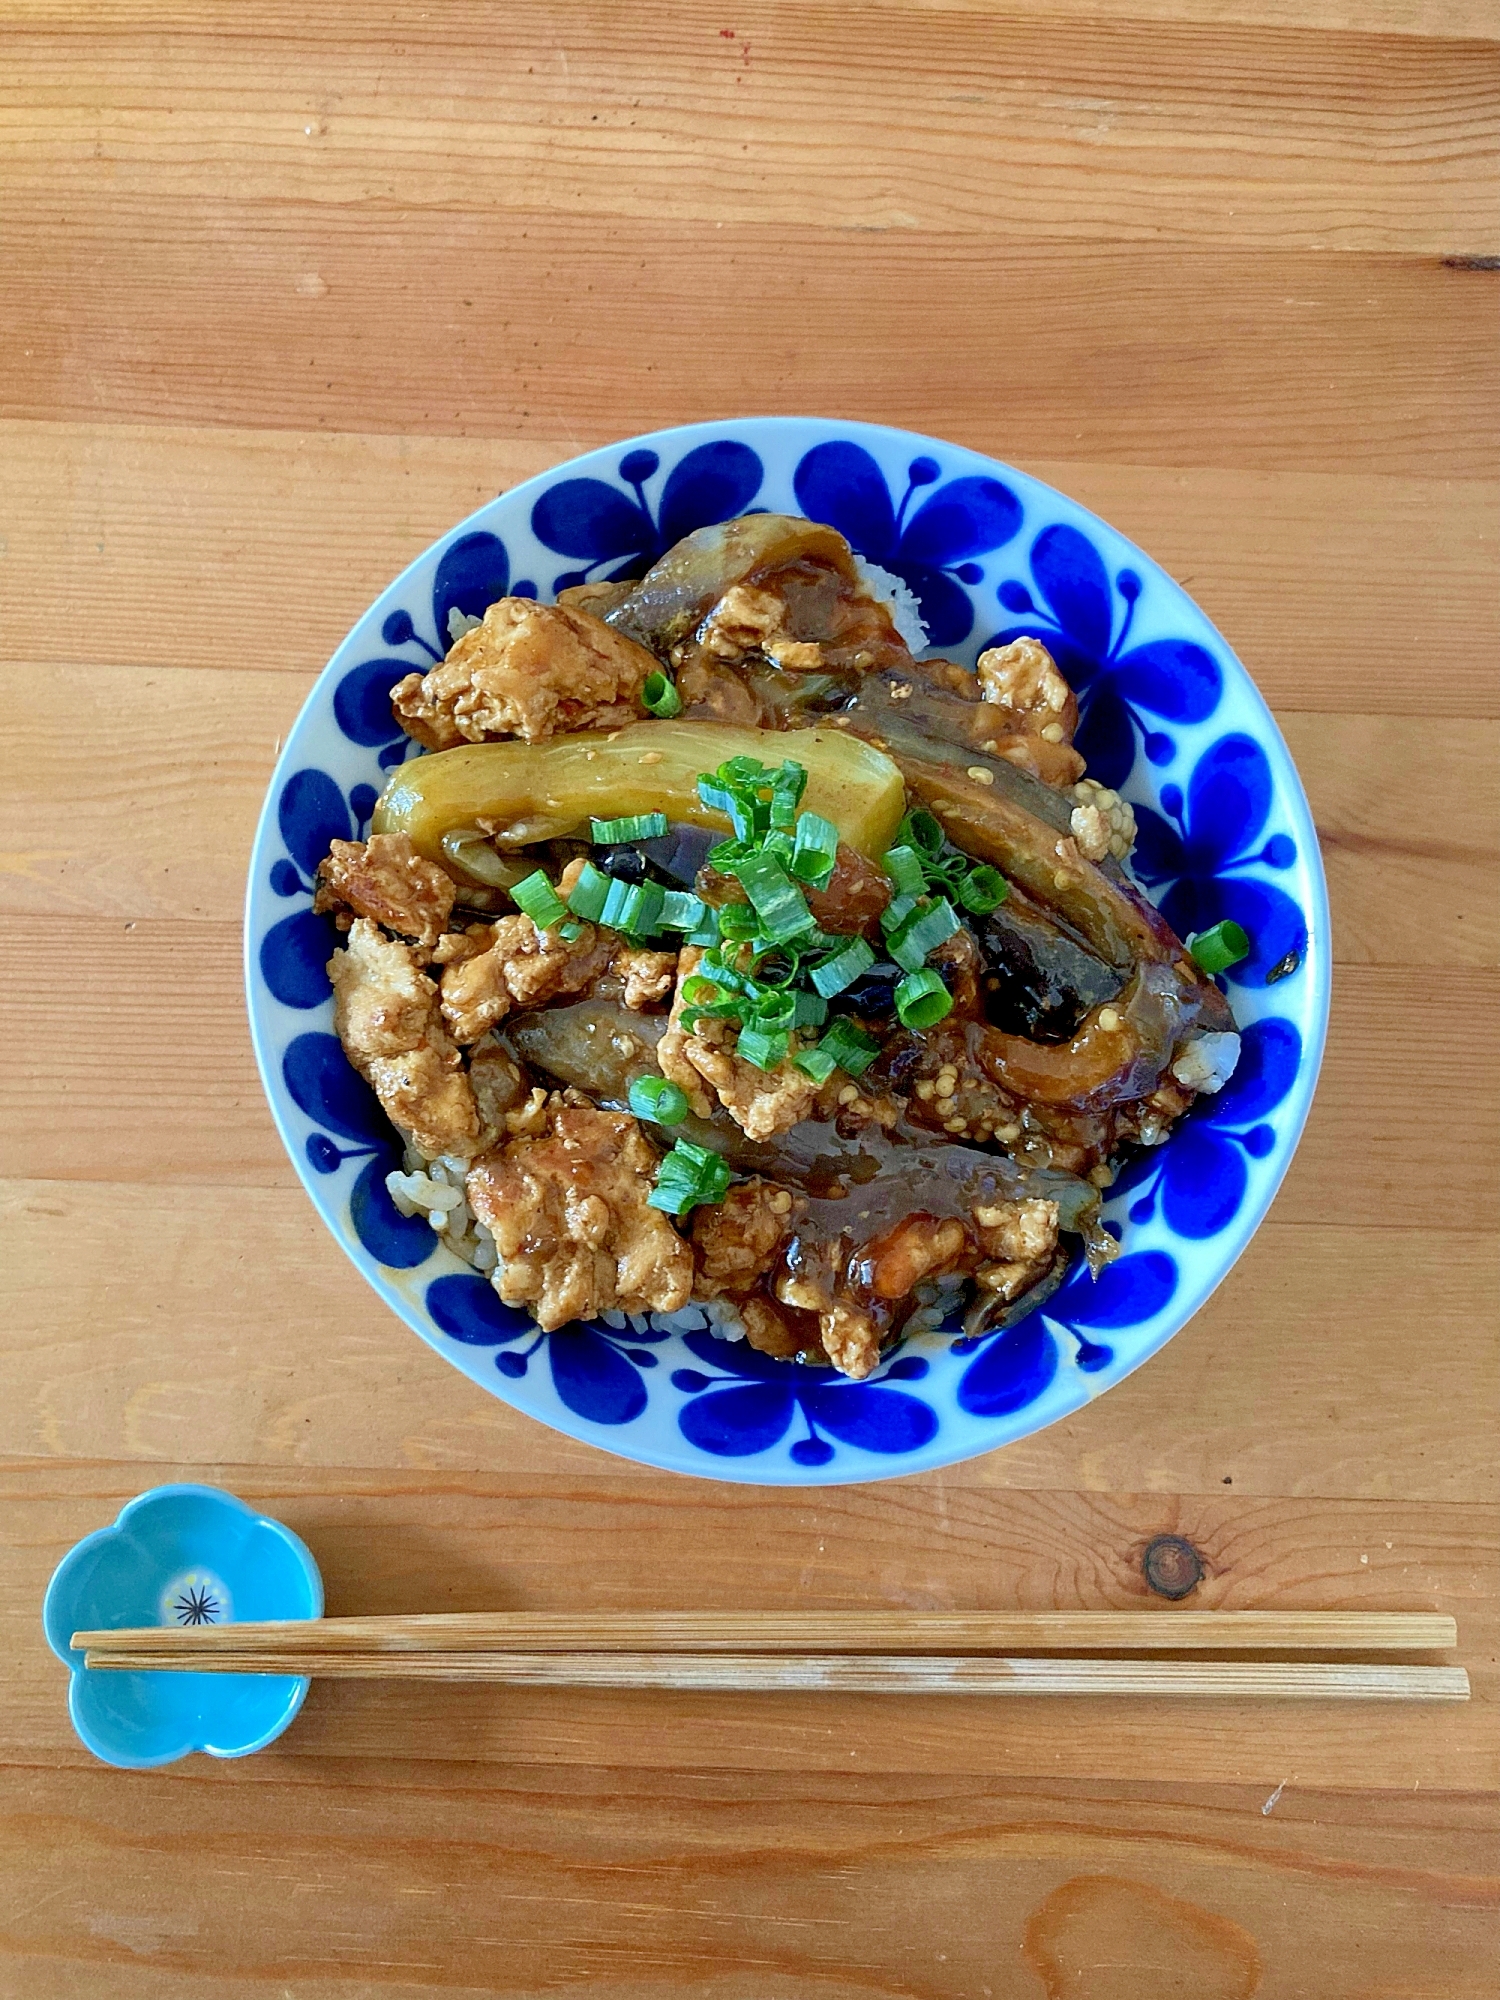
(180, 1555)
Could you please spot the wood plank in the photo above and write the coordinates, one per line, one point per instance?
(753, 1886)
(1453, 21)
(131, 545)
(227, 309)
(1298, 1377)
(1084, 129)
(474, 1541)
(155, 1081)
(1407, 808)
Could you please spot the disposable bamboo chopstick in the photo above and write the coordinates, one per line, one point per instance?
(1283, 1680)
(804, 1632)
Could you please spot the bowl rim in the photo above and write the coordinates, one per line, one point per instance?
(1220, 1255)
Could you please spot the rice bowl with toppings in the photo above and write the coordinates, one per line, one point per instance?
(731, 971)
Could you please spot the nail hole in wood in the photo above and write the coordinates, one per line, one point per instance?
(1171, 1566)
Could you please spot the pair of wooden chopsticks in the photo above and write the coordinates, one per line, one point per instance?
(846, 1651)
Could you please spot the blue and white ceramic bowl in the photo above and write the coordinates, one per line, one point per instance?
(1169, 716)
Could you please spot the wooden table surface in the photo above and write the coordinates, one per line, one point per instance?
(287, 290)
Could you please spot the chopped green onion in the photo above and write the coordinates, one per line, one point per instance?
(895, 913)
(791, 779)
(541, 902)
(765, 1047)
(634, 907)
(717, 966)
(816, 1063)
(787, 787)
(776, 1010)
(922, 999)
(851, 1048)
(983, 889)
(812, 1010)
(660, 697)
(777, 965)
(923, 931)
(779, 903)
(904, 866)
(707, 932)
(699, 991)
(688, 1175)
(816, 849)
(1215, 950)
(634, 826)
(570, 931)
(717, 797)
(835, 973)
(738, 922)
(683, 911)
(589, 893)
(920, 830)
(655, 1098)
(742, 771)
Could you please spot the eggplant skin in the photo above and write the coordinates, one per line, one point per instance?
(1039, 982)
(524, 793)
(674, 596)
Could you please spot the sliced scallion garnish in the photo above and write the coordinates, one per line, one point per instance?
(920, 830)
(765, 1047)
(816, 1063)
(983, 889)
(845, 966)
(776, 1010)
(687, 1176)
(683, 911)
(634, 907)
(633, 826)
(904, 866)
(536, 896)
(896, 912)
(589, 893)
(659, 697)
(815, 851)
(738, 922)
(778, 902)
(851, 1048)
(922, 932)
(656, 1098)
(811, 1010)
(1217, 949)
(922, 999)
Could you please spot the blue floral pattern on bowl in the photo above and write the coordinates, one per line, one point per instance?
(1169, 716)
(180, 1555)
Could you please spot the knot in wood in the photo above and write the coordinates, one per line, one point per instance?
(1171, 1566)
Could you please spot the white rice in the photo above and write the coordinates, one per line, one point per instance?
(898, 596)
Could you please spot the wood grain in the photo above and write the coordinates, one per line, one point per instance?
(658, 1883)
(288, 291)
(755, 1632)
(1166, 1681)
(1078, 129)
(258, 312)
